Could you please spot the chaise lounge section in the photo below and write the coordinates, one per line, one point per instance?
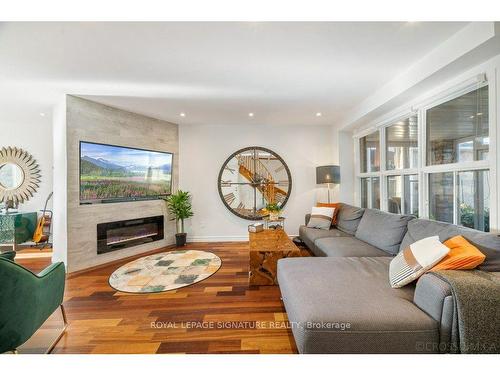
(341, 301)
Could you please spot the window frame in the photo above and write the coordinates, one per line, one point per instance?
(423, 170)
(383, 173)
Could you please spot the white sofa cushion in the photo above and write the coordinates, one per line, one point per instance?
(415, 260)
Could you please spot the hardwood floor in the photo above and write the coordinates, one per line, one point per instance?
(221, 314)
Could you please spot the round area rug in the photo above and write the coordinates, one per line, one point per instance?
(164, 271)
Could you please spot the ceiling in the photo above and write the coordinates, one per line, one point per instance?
(216, 73)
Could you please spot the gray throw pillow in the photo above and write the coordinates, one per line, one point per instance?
(383, 229)
(349, 217)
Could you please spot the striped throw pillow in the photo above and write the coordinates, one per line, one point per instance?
(415, 260)
(321, 217)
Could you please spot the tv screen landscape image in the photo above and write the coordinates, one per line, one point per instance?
(115, 173)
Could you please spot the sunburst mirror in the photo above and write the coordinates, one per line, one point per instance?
(19, 175)
(251, 178)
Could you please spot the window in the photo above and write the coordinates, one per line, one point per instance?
(394, 191)
(471, 205)
(370, 153)
(457, 130)
(411, 194)
(438, 168)
(441, 196)
(370, 192)
(402, 194)
(473, 200)
(402, 144)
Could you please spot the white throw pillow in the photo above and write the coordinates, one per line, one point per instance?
(321, 217)
(415, 260)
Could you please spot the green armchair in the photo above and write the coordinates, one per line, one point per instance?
(27, 300)
(10, 255)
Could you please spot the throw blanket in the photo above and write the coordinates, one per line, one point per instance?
(476, 315)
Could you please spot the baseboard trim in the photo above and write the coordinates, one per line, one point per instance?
(223, 238)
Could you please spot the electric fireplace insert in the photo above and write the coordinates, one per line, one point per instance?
(126, 233)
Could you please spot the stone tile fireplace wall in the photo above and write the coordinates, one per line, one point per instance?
(94, 122)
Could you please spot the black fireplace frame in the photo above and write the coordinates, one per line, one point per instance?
(102, 229)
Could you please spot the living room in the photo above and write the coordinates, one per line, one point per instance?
(250, 187)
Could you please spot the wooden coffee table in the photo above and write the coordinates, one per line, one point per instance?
(266, 248)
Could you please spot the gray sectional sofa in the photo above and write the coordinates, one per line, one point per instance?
(341, 301)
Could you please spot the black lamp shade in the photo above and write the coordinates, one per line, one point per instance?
(328, 174)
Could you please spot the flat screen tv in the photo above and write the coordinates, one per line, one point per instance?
(117, 174)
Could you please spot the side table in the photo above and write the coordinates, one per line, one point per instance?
(278, 223)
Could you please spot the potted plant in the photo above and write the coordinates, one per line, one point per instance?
(179, 206)
(274, 210)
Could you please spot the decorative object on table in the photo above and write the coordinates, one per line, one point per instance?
(255, 228)
(274, 210)
(328, 174)
(10, 206)
(179, 206)
(250, 179)
(17, 228)
(321, 217)
(266, 248)
(278, 223)
(165, 271)
(19, 176)
(42, 233)
(27, 300)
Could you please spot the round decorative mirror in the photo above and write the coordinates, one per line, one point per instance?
(250, 179)
(11, 176)
(19, 175)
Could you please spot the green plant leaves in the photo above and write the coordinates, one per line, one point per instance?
(179, 205)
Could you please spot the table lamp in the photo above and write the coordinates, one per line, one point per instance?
(328, 174)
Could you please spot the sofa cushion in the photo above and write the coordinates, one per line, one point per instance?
(321, 217)
(345, 305)
(346, 247)
(310, 235)
(415, 260)
(462, 256)
(336, 206)
(383, 230)
(487, 243)
(349, 218)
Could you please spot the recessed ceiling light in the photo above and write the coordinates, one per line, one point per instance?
(250, 114)
(471, 116)
(318, 114)
(479, 113)
(42, 114)
(182, 114)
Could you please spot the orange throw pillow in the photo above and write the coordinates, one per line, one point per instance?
(462, 256)
(335, 213)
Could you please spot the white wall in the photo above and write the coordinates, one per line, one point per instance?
(346, 162)
(34, 137)
(204, 149)
(59, 223)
